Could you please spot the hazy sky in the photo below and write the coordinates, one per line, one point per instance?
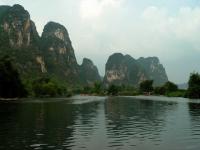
(169, 29)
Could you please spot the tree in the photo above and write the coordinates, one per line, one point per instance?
(10, 83)
(167, 88)
(87, 89)
(194, 86)
(170, 87)
(113, 90)
(97, 87)
(46, 87)
(160, 90)
(146, 86)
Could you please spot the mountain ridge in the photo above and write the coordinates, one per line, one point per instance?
(53, 54)
(126, 70)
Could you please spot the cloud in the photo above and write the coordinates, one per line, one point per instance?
(95, 8)
(184, 26)
(167, 29)
(2, 2)
(154, 31)
(174, 37)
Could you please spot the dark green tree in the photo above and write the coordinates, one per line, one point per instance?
(160, 90)
(10, 83)
(113, 90)
(98, 87)
(194, 86)
(87, 90)
(170, 87)
(146, 86)
(167, 88)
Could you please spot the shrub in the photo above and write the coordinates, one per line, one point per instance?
(194, 86)
(170, 87)
(113, 90)
(167, 88)
(146, 86)
(46, 87)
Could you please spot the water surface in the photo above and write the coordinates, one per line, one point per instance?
(97, 123)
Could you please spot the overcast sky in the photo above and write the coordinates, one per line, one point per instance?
(169, 29)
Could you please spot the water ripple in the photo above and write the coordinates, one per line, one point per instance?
(98, 123)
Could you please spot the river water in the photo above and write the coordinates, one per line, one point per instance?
(100, 123)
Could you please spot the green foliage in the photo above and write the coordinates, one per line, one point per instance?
(113, 90)
(128, 90)
(98, 87)
(160, 90)
(87, 90)
(169, 88)
(178, 93)
(129, 93)
(46, 87)
(76, 90)
(146, 86)
(10, 83)
(194, 79)
(194, 86)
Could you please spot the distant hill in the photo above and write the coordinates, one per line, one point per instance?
(183, 86)
(89, 72)
(124, 69)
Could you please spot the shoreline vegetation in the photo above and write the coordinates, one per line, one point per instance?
(13, 87)
(45, 66)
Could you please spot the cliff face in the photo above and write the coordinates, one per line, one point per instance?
(58, 52)
(154, 70)
(19, 39)
(51, 54)
(17, 27)
(89, 72)
(124, 69)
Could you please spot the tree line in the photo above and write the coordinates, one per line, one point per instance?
(12, 86)
(146, 87)
(171, 89)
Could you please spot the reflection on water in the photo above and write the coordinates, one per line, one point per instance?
(100, 123)
(136, 122)
(194, 110)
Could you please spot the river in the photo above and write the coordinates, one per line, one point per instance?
(100, 123)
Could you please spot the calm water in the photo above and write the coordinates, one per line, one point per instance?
(98, 123)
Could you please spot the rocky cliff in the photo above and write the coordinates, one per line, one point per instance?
(17, 27)
(154, 70)
(124, 69)
(89, 72)
(58, 52)
(19, 39)
(51, 54)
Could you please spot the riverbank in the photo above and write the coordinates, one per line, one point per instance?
(9, 99)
